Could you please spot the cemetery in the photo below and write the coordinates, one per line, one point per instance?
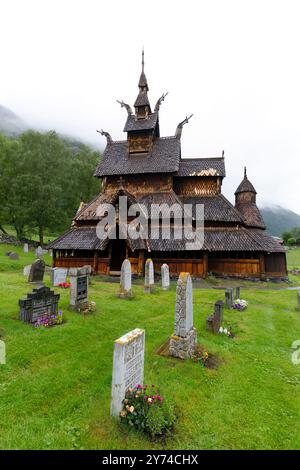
(77, 385)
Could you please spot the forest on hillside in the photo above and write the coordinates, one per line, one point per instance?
(43, 178)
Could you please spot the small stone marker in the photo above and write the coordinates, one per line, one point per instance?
(39, 251)
(298, 297)
(37, 271)
(213, 322)
(125, 281)
(14, 256)
(25, 248)
(58, 276)
(165, 277)
(229, 298)
(149, 276)
(79, 288)
(183, 341)
(237, 292)
(40, 301)
(128, 367)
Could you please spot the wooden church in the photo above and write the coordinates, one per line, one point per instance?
(149, 169)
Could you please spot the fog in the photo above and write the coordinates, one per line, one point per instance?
(233, 64)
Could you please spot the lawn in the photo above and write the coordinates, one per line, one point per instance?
(55, 387)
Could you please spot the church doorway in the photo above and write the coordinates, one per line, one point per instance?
(118, 254)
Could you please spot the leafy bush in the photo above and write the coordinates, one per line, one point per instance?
(147, 411)
(291, 242)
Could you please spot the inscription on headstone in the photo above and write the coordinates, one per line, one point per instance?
(40, 301)
(165, 277)
(183, 341)
(128, 366)
(149, 276)
(125, 290)
(58, 276)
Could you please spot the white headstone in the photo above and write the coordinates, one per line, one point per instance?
(25, 248)
(26, 270)
(165, 277)
(58, 276)
(125, 280)
(149, 276)
(128, 367)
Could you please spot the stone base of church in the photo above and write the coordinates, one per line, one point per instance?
(183, 347)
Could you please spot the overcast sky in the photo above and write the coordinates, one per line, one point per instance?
(233, 63)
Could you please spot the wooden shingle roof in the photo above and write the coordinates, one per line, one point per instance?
(201, 167)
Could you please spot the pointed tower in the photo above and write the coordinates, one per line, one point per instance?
(142, 127)
(245, 202)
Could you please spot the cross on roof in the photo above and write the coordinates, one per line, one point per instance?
(120, 181)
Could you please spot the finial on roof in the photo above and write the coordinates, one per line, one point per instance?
(126, 106)
(180, 126)
(245, 172)
(159, 101)
(107, 135)
(223, 153)
(143, 63)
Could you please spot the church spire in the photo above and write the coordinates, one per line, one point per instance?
(142, 105)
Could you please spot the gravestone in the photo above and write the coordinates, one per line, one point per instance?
(25, 248)
(213, 322)
(40, 301)
(237, 292)
(298, 297)
(37, 271)
(183, 341)
(128, 367)
(165, 277)
(149, 276)
(13, 256)
(79, 288)
(26, 270)
(39, 251)
(58, 276)
(125, 281)
(229, 298)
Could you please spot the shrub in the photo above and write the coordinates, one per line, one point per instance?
(147, 411)
(291, 242)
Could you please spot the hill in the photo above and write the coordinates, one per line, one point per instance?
(10, 123)
(278, 219)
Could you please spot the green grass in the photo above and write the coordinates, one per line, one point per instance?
(55, 388)
(293, 258)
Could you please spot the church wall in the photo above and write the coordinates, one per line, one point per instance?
(141, 184)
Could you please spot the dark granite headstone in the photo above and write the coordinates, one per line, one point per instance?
(37, 271)
(39, 302)
(213, 322)
(237, 292)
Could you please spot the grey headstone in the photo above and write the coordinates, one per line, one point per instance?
(128, 367)
(39, 302)
(39, 251)
(237, 292)
(149, 276)
(25, 248)
(79, 288)
(183, 341)
(58, 276)
(125, 280)
(26, 270)
(37, 271)
(14, 256)
(165, 277)
(229, 298)
(298, 297)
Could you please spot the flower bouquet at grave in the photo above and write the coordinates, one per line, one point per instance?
(226, 331)
(240, 304)
(146, 410)
(65, 285)
(49, 319)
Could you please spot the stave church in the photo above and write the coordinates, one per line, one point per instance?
(149, 169)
